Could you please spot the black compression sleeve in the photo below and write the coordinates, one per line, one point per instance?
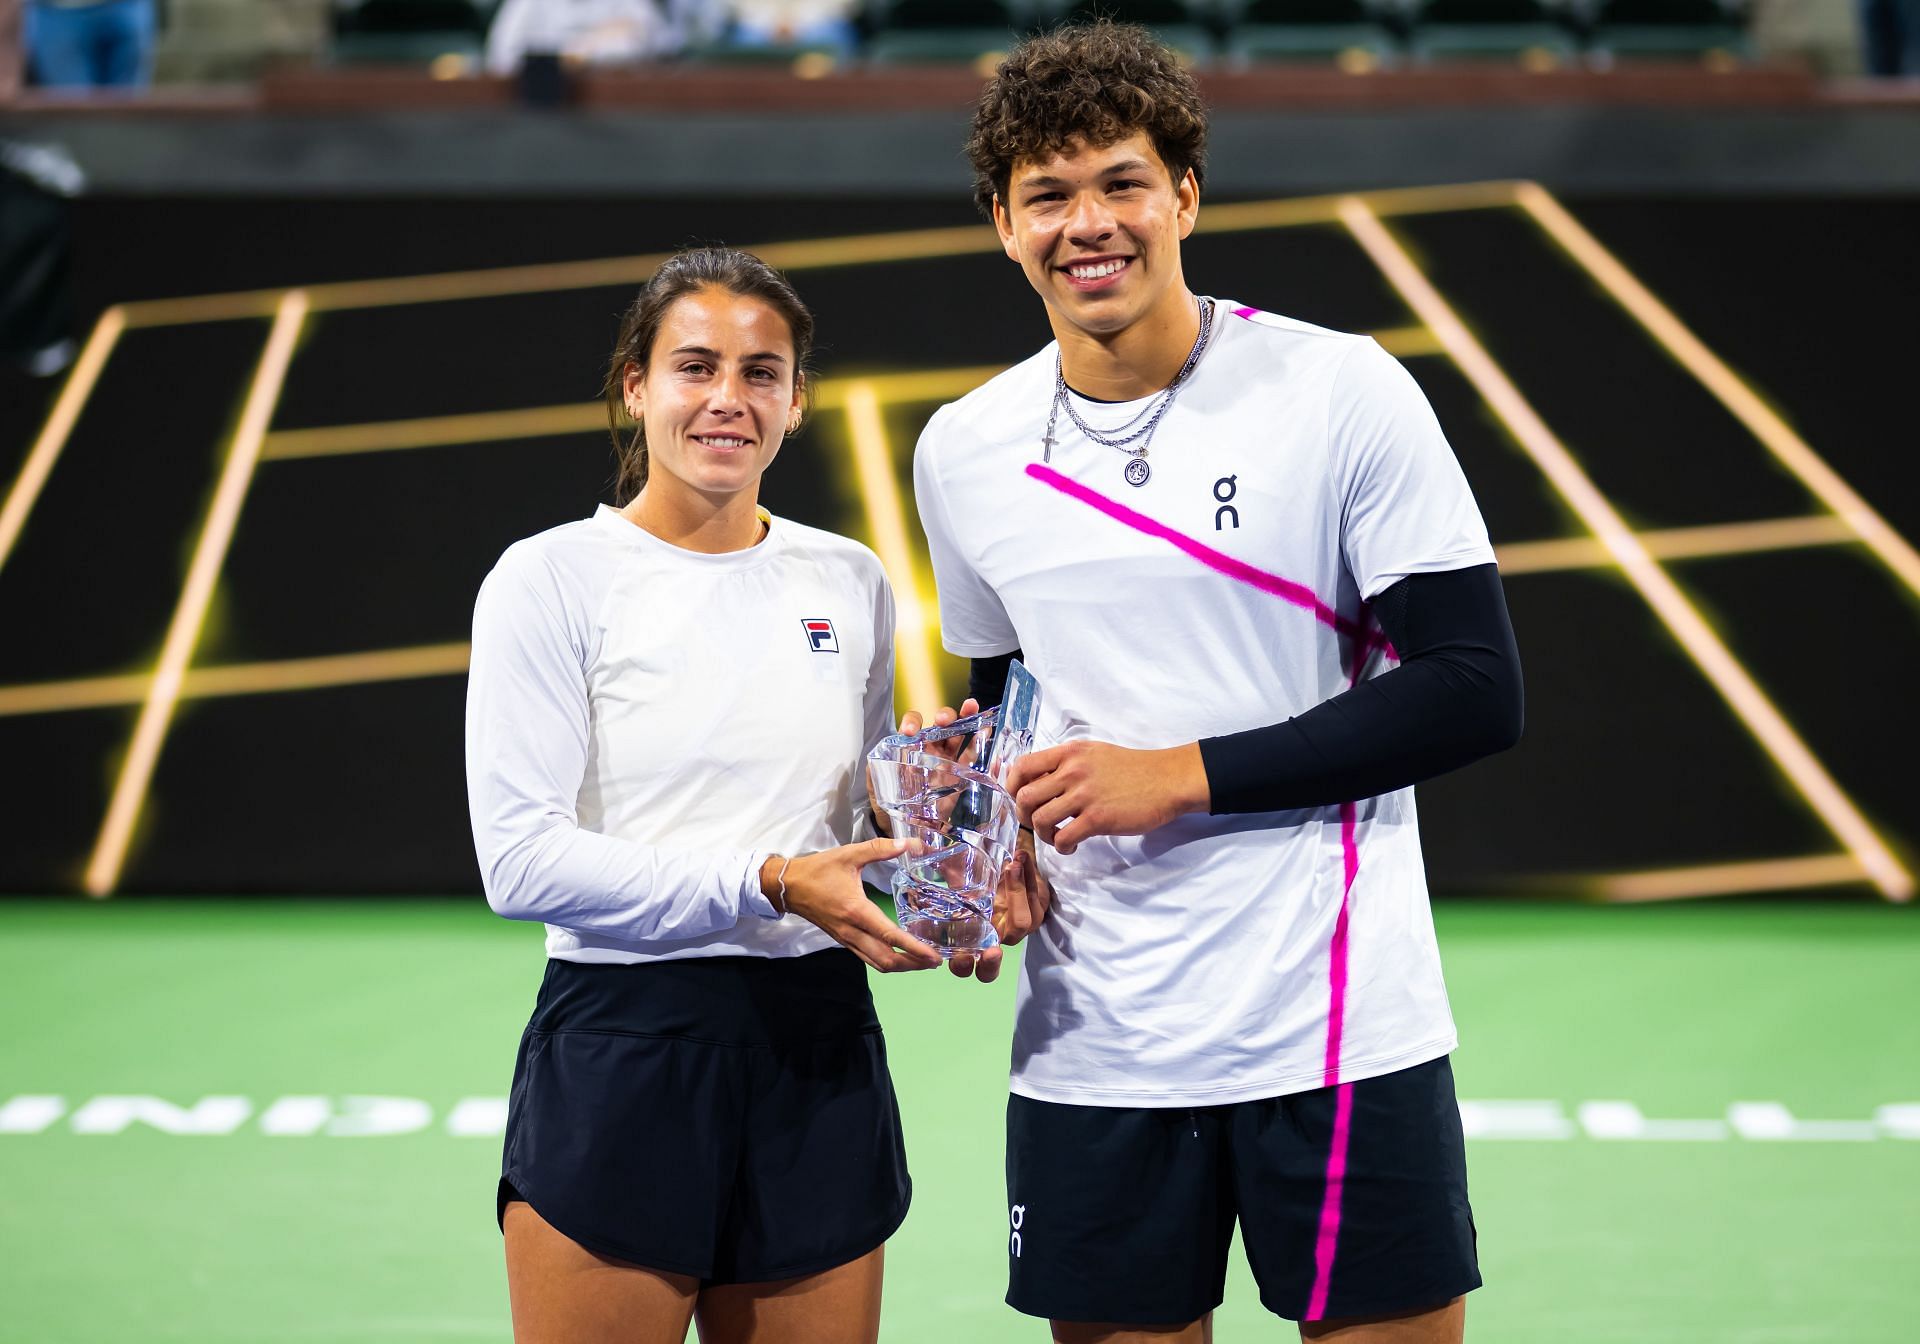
(987, 678)
(1454, 698)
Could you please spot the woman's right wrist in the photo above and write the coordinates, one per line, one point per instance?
(773, 881)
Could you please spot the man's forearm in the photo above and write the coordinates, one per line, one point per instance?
(1454, 698)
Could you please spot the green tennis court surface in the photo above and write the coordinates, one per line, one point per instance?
(1764, 1184)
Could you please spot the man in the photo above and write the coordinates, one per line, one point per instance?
(1247, 570)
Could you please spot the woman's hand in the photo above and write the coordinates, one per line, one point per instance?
(912, 722)
(825, 890)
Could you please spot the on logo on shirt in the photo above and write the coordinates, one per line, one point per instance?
(820, 634)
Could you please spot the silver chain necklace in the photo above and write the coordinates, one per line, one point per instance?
(1137, 470)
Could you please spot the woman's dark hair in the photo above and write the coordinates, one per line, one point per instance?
(1099, 82)
(688, 272)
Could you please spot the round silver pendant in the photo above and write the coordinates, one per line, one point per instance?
(1138, 471)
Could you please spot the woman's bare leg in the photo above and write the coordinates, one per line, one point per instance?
(563, 1293)
(1436, 1325)
(836, 1306)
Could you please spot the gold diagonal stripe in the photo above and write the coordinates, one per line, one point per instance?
(1682, 619)
(190, 613)
(1733, 392)
(52, 440)
(887, 525)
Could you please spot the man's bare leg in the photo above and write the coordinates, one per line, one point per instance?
(1433, 1325)
(1089, 1332)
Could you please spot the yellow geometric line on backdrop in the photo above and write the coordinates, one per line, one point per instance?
(1852, 518)
(1683, 620)
(196, 594)
(1558, 555)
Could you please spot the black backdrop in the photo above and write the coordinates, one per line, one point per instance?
(1630, 761)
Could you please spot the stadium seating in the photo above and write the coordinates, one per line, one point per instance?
(411, 32)
(924, 31)
(1356, 35)
(1190, 27)
(1669, 29)
(1351, 33)
(1476, 29)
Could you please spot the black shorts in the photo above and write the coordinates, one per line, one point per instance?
(729, 1118)
(1126, 1215)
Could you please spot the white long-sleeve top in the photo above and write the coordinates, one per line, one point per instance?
(645, 724)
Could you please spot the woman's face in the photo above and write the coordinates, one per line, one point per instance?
(718, 394)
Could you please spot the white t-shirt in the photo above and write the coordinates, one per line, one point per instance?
(646, 723)
(1299, 468)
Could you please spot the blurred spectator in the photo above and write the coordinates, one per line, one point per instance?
(596, 32)
(1890, 36)
(1822, 34)
(90, 44)
(36, 307)
(13, 61)
(232, 41)
(794, 23)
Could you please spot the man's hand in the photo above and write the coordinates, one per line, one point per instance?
(824, 889)
(1081, 789)
(911, 722)
(982, 966)
(1021, 903)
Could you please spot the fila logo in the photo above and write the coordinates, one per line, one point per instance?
(820, 634)
(1017, 1215)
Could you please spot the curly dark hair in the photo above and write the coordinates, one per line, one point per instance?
(1099, 81)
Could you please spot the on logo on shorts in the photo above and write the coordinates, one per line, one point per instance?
(1017, 1215)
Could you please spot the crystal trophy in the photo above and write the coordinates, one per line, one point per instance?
(945, 790)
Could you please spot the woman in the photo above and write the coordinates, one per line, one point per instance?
(668, 709)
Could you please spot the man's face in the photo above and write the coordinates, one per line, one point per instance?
(1098, 230)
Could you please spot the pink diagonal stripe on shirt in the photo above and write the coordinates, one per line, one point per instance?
(1337, 954)
(1285, 589)
(1366, 642)
(1328, 1241)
